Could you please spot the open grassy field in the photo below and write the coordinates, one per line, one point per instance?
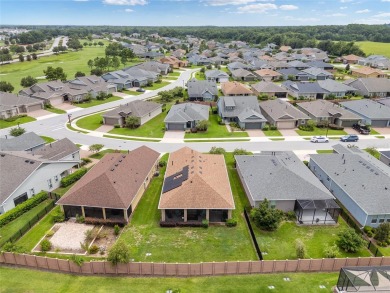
(375, 48)
(24, 280)
(216, 243)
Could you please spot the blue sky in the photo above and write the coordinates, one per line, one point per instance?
(194, 12)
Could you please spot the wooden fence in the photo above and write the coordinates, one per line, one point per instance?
(189, 269)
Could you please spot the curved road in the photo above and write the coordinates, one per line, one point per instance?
(56, 127)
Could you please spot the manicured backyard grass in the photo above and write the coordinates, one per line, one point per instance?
(24, 280)
(216, 243)
(272, 133)
(385, 250)
(91, 122)
(320, 131)
(32, 237)
(47, 139)
(19, 223)
(374, 153)
(156, 85)
(21, 120)
(152, 128)
(324, 151)
(375, 48)
(280, 244)
(95, 102)
(216, 130)
(55, 110)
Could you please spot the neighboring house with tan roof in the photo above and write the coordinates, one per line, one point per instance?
(196, 187)
(282, 114)
(25, 173)
(12, 105)
(143, 110)
(112, 188)
(268, 74)
(368, 72)
(351, 59)
(269, 88)
(83, 85)
(174, 62)
(285, 48)
(234, 88)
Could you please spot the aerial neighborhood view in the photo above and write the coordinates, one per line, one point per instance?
(194, 146)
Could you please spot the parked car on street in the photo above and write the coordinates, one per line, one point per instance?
(362, 129)
(349, 137)
(319, 139)
(141, 90)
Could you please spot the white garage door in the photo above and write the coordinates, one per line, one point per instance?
(56, 101)
(34, 108)
(285, 124)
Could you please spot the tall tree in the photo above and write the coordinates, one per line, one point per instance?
(6, 87)
(28, 81)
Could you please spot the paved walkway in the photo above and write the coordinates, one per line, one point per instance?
(105, 128)
(39, 113)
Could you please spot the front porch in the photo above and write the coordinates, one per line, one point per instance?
(98, 213)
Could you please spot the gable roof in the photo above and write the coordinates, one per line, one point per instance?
(215, 73)
(196, 88)
(187, 112)
(23, 142)
(323, 108)
(262, 174)
(267, 72)
(243, 107)
(56, 150)
(9, 101)
(205, 187)
(114, 181)
(234, 88)
(368, 108)
(304, 87)
(281, 110)
(333, 86)
(314, 71)
(137, 108)
(268, 87)
(242, 73)
(372, 85)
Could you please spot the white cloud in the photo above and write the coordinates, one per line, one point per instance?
(228, 2)
(380, 15)
(336, 14)
(125, 2)
(288, 7)
(343, 7)
(257, 8)
(385, 0)
(129, 10)
(302, 19)
(363, 11)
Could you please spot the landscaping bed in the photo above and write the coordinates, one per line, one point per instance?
(320, 131)
(95, 102)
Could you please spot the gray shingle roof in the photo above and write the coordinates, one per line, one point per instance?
(242, 104)
(215, 73)
(182, 113)
(242, 73)
(304, 87)
(373, 85)
(279, 177)
(280, 110)
(366, 182)
(314, 71)
(368, 108)
(268, 87)
(9, 101)
(333, 86)
(323, 108)
(137, 108)
(56, 150)
(23, 142)
(196, 88)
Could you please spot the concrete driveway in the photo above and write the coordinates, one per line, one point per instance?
(288, 132)
(383, 130)
(39, 113)
(66, 107)
(255, 133)
(105, 128)
(174, 136)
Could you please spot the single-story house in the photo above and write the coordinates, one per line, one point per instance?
(307, 90)
(238, 65)
(52, 92)
(285, 48)
(368, 72)
(269, 88)
(186, 116)
(243, 75)
(322, 65)
(143, 110)
(384, 157)
(216, 75)
(234, 88)
(322, 110)
(359, 181)
(268, 74)
(13, 105)
(282, 114)
(371, 112)
(338, 89)
(288, 185)
(120, 78)
(28, 141)
(299, 65)
(112, 188)
(294, 74)
(371, 87)
(196, 187)
(26, 173)
(351, 59)
(81, 86)
(317, 73)
(155, 66)
(243, 110)
(199, 60)
(202, 90)
(174, 62)
(277, 65)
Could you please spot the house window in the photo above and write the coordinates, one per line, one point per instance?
(56, 178)
(49, 183)
(73, 156)
(373, 221)
(381, 220)
(388, 220)
(32, 191)
(303, 121)
(20, 199)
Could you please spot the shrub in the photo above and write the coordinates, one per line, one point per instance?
(93, 249)
(22, 208)
(119, 253)
(58, 216)
(12, 247)
(70, 179)
(88, 235)
(290, 216)
(300, 249)
(189, 224)
(45, 245)
(96, 147)
(335, 127)
(202, 125)
(217, 151)
(231, 223)
(49, 233)
(266, 128)
(306, 163)
(265, 217)
(205, 223)
(77, 259)
(80, 219)
(273, 127)
(331, 251)
(383, 233)
(350, 241)
(85, 161)
(219, 120)
(238, 152)
(167, 224)
(116, 230)
(17, 131)
(162, 164)
(263, 97)
(108, 222)
(117, 126)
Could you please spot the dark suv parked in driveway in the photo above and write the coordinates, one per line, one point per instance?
(350, 137)
(362, 129)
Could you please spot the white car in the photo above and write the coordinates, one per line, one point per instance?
(319, 139)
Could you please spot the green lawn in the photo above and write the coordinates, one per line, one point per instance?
(55, 110)
(152, 128)
(21, 120)
(100, 155)
(385, 250)
(17, 224)
(91, 122)
(324, 151)
(24, 280)
(74, 129)
(128, 138)
(47, 139)
(320, 131)
(32, 237)
(272, 133)
(95, 102)
(217, 243)
(216, 131)
(280, 244)
(200, 75)
(156, 85)
(374, 132)
(374, 152)
(133, 93)
(375, 48)
(174, 73)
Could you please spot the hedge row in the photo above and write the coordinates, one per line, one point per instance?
(22, 208)
(109, 222)
(72, 178)
(181, 224)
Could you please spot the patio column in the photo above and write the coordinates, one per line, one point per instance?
(163, 215)
(82, 211)
(62, 208)
(207, 214)
(125, 215)
(185, 215)
(229, 214)
(104, 213)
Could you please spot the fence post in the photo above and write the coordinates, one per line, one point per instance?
(165, 269)
(58, 264)
(225, 268)
(358, 263)
(299, 262)
(91, 266)
(310, 264)
(201, 268)
(273, 266)
(250, 267)
(334, 262)
(189, 269)
(285, 265)
(322, 263)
